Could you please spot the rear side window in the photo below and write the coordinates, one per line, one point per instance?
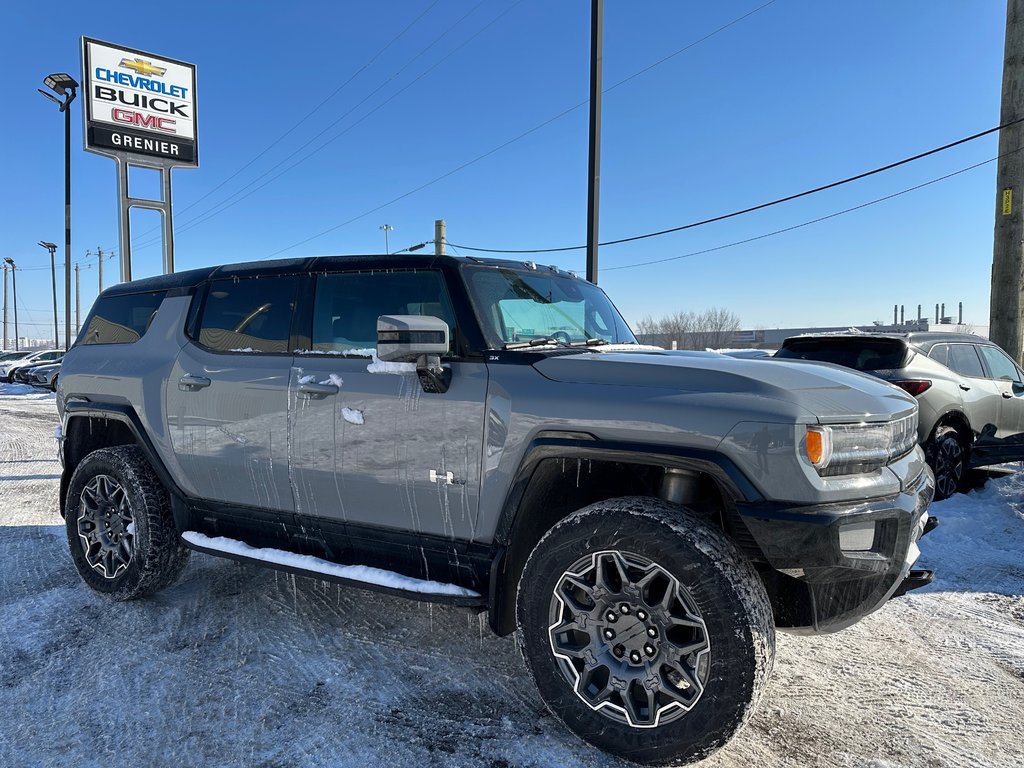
(248, 315)
(120, 319)
(964, 360)
(857, 353)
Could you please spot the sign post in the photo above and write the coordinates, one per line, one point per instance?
(140, 110)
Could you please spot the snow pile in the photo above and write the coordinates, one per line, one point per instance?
(979, 544)
(334, 379)
(362, 573)
(25, 391)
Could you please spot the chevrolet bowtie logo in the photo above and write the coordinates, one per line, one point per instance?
(143, 67)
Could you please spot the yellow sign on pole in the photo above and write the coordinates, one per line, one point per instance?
(1007, 202)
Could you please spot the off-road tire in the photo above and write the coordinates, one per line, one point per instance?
(947, 456)
(157, 557)
(725, 589)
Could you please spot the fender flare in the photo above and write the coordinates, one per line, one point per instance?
(583, 446)
(125, 414)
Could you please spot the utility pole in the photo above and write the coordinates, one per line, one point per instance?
(99, 254)
(440, 233)
(594, 164)
(14, 282)
(78, 302)
(1006, 307)
(5, 306)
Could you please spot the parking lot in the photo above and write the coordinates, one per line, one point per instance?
(243, 666)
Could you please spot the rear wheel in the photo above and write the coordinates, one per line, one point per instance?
(119, 525)
(646, 632)
(947, 457)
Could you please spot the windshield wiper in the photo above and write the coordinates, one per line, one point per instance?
(541, 342)
(546, 340)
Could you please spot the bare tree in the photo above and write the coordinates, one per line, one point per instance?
(710, 329)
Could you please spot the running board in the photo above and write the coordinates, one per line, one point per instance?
(362, 576)
(915, 580)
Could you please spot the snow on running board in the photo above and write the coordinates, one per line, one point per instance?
(362, 573)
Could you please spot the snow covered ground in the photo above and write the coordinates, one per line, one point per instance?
(236, 665)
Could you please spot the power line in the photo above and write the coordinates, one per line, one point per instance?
(812, 221)
(525, 133)
(760, 206)
(308, 115)
(229, 202)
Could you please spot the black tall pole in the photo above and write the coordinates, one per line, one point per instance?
(67, 225)
(594, 166)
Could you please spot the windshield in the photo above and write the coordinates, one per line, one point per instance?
(519, 307)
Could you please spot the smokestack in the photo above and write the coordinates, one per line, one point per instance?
(919, 313)
(943, 311)
(960, 315)
(936, 314)
(895, 307)
(901, 314)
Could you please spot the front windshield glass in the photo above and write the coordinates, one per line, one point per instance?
(520, 306)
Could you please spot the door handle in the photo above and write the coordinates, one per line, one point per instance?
(965, 388)
(1007, 395)
(190, 382)
(317, 391)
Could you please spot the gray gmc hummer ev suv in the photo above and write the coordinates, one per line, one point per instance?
(490, 434)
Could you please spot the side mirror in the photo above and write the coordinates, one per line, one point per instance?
(421, 339)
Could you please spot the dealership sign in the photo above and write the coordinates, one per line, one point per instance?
(139, 105)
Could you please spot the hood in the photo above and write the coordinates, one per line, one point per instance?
(831, 393)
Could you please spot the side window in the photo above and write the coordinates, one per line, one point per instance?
(248, 315)
(348, 304)
(999, 364)
(963, 358)
(120, 319)
(940, 354)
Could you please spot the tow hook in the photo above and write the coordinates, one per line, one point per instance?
(916, 579)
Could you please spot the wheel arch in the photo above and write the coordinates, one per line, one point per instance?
(90, 426)
(957, 419)
(561, 473)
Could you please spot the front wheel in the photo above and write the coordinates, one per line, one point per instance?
(119, 525)
(645, 630)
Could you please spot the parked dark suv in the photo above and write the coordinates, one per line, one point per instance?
(490, 434)
(970, 392)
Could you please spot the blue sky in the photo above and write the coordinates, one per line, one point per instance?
(796, 95)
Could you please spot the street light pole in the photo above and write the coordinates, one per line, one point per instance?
(387, 228)
(65, 85)
(5, 306)
(52, 248)
(14, 281)
(594, 159)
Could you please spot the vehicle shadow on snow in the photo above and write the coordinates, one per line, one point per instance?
(238, 664)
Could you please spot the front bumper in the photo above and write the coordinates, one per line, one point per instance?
(833, 564)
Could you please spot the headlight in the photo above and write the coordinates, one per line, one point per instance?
(847, 449)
